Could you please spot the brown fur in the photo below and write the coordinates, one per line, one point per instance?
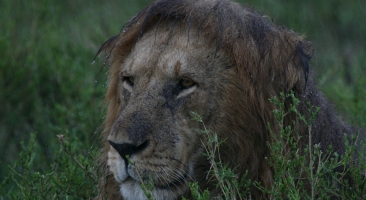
(262, 60)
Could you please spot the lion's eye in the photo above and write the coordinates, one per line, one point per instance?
(185, 83)
(129, 80)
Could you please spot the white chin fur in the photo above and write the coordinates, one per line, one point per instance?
(131, 190)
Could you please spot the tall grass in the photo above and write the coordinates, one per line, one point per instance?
(49, 87)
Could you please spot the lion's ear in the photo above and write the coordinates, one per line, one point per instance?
(304, 52)
(107, 45)
(307, 48)
(298, 74)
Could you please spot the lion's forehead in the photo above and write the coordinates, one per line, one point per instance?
(169, 56)
(170, 62)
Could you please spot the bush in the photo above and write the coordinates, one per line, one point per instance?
(71, 175)
(307, 173)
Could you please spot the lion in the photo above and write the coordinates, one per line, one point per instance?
(220, 60)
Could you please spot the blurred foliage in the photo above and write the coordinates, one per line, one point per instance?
(48, 84)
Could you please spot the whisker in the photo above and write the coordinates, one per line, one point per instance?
(175, 180)
(186, 169)
(166, 179)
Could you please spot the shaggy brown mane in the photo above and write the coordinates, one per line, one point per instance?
(269, 59)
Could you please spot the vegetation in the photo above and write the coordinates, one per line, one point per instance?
(313, 174)
(52, 95)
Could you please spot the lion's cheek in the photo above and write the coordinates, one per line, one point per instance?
(189, 147)
(117, 166)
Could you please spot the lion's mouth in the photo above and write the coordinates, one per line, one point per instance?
(131, 188)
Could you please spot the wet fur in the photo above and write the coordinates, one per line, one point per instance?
(268, 60)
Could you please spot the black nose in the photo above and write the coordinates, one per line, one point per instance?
(126, 149)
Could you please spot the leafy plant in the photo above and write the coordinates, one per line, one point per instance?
(70, 176)
(307, 173)
(230, 184)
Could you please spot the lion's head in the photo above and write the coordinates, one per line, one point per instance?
(214, 58)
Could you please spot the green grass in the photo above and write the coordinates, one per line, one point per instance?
(49, 86)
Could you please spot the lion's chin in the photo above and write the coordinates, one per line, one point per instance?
(131, 189)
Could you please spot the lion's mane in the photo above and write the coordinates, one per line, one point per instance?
(269, 59)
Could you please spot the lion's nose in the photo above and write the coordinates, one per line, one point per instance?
(126, 150)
